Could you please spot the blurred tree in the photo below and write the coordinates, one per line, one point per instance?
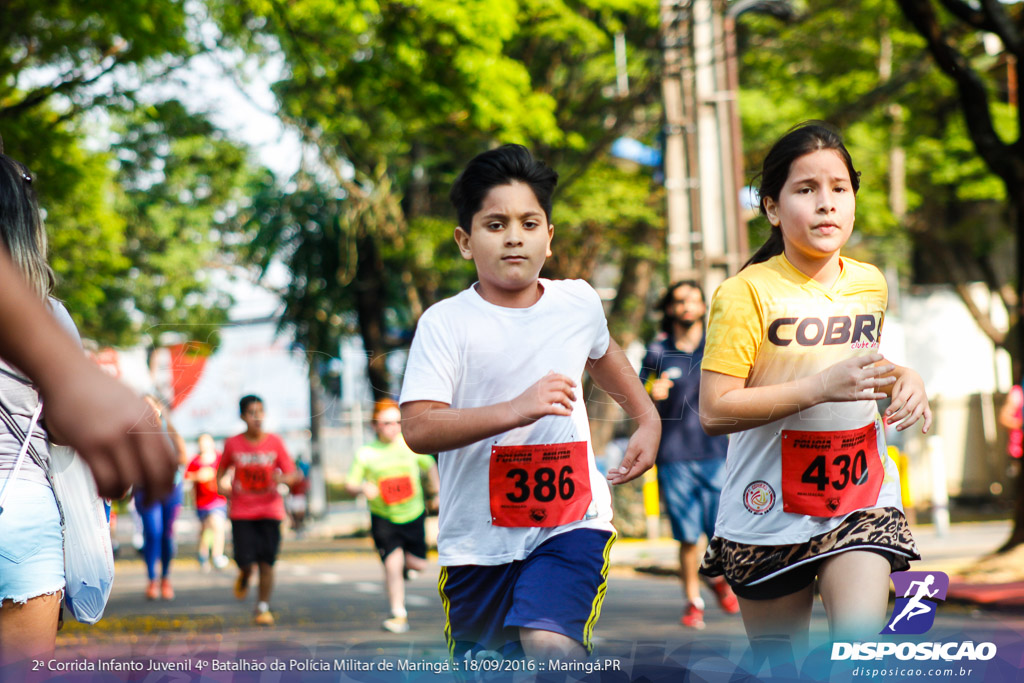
(929, 206)
(181, 181)
(978, 45)
(129, 229)
(396, 97)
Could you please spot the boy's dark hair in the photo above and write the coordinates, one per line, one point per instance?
(248, 400)
(804, 138)
(501, 166)
(668, 298)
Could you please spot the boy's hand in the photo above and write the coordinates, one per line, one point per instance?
(552, 394)
(640, 453)
(909, 403)
(661, 387)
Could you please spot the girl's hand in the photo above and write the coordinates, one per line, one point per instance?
(370, 490)
(857, 379)
(909, 403)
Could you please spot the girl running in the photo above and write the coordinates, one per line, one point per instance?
(791, 368)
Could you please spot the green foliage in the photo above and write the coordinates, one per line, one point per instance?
(830, 65)
(182, 181)
(129, 228)
(398, 96)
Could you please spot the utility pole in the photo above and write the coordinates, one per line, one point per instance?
(675, 44)
(705, 239)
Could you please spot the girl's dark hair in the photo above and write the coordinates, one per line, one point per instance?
(804, 138)
(668, 298)
(501, 166)
(21, 227)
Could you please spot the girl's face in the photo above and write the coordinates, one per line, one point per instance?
(815, 209)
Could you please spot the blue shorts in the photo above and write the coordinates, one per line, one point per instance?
(560, 587)
(31, 543)
(691, 489)
(218, 510)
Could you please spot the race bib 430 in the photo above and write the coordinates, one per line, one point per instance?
(827, 474)
(542, 485)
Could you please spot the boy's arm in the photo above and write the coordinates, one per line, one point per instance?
(291, 476)
(223, 465)
(432, 426)
(613, 373)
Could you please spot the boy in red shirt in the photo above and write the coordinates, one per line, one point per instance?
(258, 462)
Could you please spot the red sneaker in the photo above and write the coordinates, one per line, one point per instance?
(693, 617)
(726, 598)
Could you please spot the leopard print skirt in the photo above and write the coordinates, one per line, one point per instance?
(881, 529)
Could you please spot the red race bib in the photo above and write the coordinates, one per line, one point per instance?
(395, 489)
(539, 486)
(827, 474)
(254, 478)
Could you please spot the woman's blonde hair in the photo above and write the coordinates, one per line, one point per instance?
(21, 226)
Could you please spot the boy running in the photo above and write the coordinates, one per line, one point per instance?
(259, 462)
(491, 386)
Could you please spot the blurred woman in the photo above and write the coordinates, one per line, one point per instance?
(211, 506)
(31, 542)
(158, 517)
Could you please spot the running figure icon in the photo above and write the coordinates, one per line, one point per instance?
(914, 607)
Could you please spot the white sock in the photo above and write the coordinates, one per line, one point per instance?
(698, 602)
(400, 613)
(262, 607)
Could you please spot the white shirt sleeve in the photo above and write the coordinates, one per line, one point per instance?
(602, 338)
(431, 373)
(64, 319)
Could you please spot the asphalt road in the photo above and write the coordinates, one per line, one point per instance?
(329, 605)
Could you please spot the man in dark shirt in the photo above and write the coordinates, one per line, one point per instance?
(691, 464)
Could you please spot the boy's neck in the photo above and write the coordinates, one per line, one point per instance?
(255, 437)
(522, 298)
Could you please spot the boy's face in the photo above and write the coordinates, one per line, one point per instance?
(509, 240)
(253, 417)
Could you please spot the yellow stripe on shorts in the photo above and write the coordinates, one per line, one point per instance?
(446, 604)
(595, 609)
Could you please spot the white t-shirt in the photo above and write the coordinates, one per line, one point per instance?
(21, 397)
(470, 353)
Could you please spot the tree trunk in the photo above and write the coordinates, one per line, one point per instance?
(1015, 346)
(317, 485)
(370, 302)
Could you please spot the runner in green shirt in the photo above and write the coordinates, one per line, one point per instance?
(388, 473)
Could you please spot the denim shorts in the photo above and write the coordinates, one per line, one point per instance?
(31, 544)
(691, 489)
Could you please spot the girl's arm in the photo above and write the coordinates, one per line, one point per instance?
(727, 405)
(909, 401)
(1009, 414)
